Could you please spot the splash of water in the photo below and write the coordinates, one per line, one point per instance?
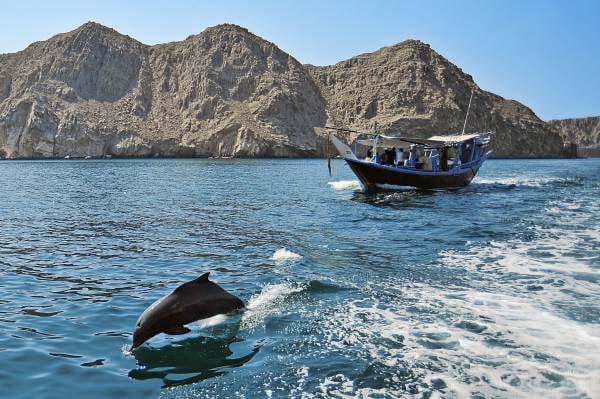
(269, 301)
(282, 255)
(342, 185)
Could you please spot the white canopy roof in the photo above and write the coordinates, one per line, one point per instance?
(455, 138)
(388, 141)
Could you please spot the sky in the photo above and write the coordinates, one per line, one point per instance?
(544, 54)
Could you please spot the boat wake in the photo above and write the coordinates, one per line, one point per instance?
(524, 325)
(510, 345)
(523, 181)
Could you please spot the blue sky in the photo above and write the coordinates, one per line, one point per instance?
(545, 54)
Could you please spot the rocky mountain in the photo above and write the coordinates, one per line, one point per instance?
(409, 88)
(584, 132)
(94, 92)
(227, 92)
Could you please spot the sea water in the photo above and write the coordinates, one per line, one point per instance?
(488, 291)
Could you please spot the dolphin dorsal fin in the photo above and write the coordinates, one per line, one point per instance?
(202, 279)
(193, 283)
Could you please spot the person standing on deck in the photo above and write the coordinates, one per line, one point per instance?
(444, 159)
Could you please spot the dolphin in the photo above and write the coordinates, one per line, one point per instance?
(195, 300)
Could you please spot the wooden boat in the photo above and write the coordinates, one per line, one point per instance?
(449, 161)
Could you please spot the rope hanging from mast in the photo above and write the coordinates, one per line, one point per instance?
(468, 109)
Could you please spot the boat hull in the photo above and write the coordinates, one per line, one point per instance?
(373, 176)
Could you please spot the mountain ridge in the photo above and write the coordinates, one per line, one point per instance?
(227, 92)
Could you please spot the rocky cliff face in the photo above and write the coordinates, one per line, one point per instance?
(585, 132)
(226, 92)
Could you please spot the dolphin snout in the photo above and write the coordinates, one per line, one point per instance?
(139, 337)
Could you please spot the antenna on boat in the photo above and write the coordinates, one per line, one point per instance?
(468, 109)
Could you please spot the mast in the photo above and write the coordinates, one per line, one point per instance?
(468, 109)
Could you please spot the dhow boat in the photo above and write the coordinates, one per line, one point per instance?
(388, 162)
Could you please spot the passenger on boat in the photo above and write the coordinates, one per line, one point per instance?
(388, 157)
(419, 161)
(444, 159)
(435, 160)
(421, 158)
(427, 163)
(391, 156)
(372, 157)
(412, 156)
(399, 160)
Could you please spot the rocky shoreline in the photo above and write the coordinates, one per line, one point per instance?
(226, 92)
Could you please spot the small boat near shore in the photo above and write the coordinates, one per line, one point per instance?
(441, 161)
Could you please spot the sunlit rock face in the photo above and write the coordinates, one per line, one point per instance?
(228, 93)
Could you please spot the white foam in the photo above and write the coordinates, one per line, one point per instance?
(126, 350)
(519, 257)
(268, 302)
(574, 347)
(270, 295)
(345, 185)
(299, 389)
(521, 345)
(554, 248)
(519, 180)
(529, 330)
(533, 323)
(337, 386)
(282, 255)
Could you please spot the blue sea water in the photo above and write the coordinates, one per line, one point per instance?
(488, 291)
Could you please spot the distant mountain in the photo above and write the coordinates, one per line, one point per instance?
(228, 92)
(585, 132)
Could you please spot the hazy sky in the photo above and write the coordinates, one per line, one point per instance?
(545, 54)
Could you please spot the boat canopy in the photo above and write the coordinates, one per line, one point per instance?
(453, 139)
(389, 141)
(434, 141)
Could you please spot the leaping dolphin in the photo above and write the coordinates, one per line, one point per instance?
(195, 300)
